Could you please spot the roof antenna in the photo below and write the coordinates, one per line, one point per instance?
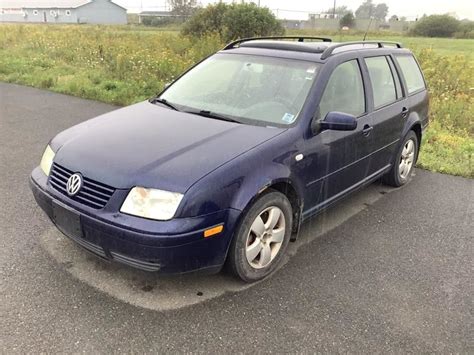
(367, 30)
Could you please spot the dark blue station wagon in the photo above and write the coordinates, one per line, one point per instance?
(225, 164)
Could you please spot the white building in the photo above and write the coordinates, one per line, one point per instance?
(62, 11)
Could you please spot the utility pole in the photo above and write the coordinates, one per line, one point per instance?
(334, 10)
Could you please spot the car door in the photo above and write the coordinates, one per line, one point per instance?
(335, 161)
(388, 111)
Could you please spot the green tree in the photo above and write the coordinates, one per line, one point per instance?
(233, 21)
(436, 26)
(348, 20)
(206, 20)
(249, 20)
(183, 8)
(381, 11)
(365, 10)
(368, 9)
(340, 11)
(465, 30)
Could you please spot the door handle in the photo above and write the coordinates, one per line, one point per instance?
(367, 129)
(405, 112)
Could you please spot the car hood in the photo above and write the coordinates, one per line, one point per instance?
(152, 146)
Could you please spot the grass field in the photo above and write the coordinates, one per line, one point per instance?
(126, 64)
(442, 46)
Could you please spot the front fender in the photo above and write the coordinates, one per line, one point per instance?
(257, 183)
(235, 184)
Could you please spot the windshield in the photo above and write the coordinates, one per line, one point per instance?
(249, 89)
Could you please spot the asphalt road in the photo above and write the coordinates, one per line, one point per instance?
(388, 270)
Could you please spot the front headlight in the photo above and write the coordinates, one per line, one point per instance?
(47, 160)
(151, 203)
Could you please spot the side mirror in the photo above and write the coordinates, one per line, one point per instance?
(338, 121)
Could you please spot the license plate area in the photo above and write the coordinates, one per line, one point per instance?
(67, 220)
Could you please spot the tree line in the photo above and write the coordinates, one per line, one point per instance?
(247, 19)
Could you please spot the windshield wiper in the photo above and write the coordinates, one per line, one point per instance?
(210, 114)
(164, 102)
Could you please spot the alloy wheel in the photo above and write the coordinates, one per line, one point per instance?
(406, 159)
(265, 237)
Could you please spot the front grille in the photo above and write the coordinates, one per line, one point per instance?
(93, 194)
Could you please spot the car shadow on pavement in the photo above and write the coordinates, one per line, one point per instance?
(167, 292)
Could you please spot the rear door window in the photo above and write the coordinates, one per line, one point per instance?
(383, 85)
(411, 72)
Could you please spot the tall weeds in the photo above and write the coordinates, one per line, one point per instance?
(123, 65)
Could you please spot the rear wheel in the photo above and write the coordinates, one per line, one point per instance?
(404, 161)
(262, 237)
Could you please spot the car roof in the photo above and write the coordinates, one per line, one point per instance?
(317, 49)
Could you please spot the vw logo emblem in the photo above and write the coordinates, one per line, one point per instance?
(74, 184)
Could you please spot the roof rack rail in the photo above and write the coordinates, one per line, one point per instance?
(299, 38)
(380, 44)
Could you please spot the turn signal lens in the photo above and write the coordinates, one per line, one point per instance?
(213, 231)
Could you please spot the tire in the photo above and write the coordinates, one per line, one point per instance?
(404, 161)
(259, 245)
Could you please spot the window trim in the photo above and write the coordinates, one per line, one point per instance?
(396, 78)
(376, 108)
(365, 85)
(403, 75)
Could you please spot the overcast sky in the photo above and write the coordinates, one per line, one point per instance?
(409, 8)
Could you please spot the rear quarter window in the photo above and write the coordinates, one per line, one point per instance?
(411, 72)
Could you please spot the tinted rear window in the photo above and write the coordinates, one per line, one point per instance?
(411, 73)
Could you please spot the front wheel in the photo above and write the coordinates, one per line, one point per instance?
(404, 162)
(262, 237)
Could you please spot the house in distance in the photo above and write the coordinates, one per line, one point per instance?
(62, 11)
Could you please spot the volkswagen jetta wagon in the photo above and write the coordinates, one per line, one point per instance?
(223, 166)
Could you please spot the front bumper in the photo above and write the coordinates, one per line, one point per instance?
(175, 246)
